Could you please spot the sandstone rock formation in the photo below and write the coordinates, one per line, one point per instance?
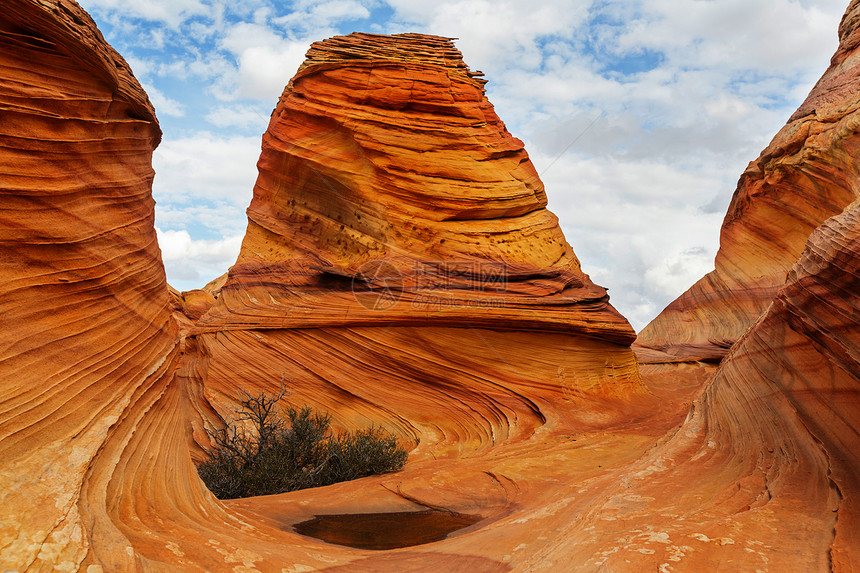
(808, 173)
(101, 416)
(400, 268)
(385, 168)
(88, 344)
(762, 475)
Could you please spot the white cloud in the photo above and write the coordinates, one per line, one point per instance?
(264, 71)
(206, 67)
(678, 270)
(493, 35)
(268, 49)
(206, 219)
(142, 68)
(208, 167)
(265, 62)
(243, 36)
(635, 226)
(172, 13)
(203, 184)
(640, 191)
(316, 14)
(191, 263)
(163, 104)
(244, 117)
(774, 36)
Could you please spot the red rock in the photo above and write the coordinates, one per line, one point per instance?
(87, 343)
(386, 170)
(401, 269)
(101, 416)
(763, 473)
(530, 417)
(807, 174)
(195, 303)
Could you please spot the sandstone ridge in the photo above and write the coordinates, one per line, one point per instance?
(88, 343)
(807, 173)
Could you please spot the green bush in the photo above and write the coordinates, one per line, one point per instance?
(279, 456)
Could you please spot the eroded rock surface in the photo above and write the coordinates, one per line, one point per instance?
(87, 344)
(401, 269)
(808, 173)
(762, 475)
(108, 384)
(386, 170)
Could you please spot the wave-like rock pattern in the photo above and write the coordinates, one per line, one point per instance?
(532, 418)
(492, 386)
(391, 193)
(808, 173)
(394, 222)
(762, 476)
(108, 384)
(86, 342)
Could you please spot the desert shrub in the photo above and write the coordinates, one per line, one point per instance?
(279, 455)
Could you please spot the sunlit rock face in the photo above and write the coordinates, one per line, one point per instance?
(86, 340)
(808, 173)
(108, 382)
(385, 169)
(396, 227)
(400, 268)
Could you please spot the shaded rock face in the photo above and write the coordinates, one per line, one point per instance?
(797, 372)
(773, 437)
(808, 173)
(369, 254)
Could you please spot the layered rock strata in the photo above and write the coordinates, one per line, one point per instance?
(395, 226)
(86, 339)
(108, 384)
(772, 437)
(391, 193)
(808, 172)
(527, 421)
(763, 473)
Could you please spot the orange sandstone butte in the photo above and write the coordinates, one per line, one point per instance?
(400, 268)
(386, 167)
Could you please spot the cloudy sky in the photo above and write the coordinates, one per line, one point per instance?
(640, 115)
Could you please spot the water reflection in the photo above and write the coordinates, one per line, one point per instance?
(385, 530)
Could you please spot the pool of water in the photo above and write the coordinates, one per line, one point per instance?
(385, 530)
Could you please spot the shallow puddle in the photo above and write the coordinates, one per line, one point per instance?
(385, 530)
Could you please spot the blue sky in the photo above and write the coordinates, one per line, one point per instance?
(640, 115)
